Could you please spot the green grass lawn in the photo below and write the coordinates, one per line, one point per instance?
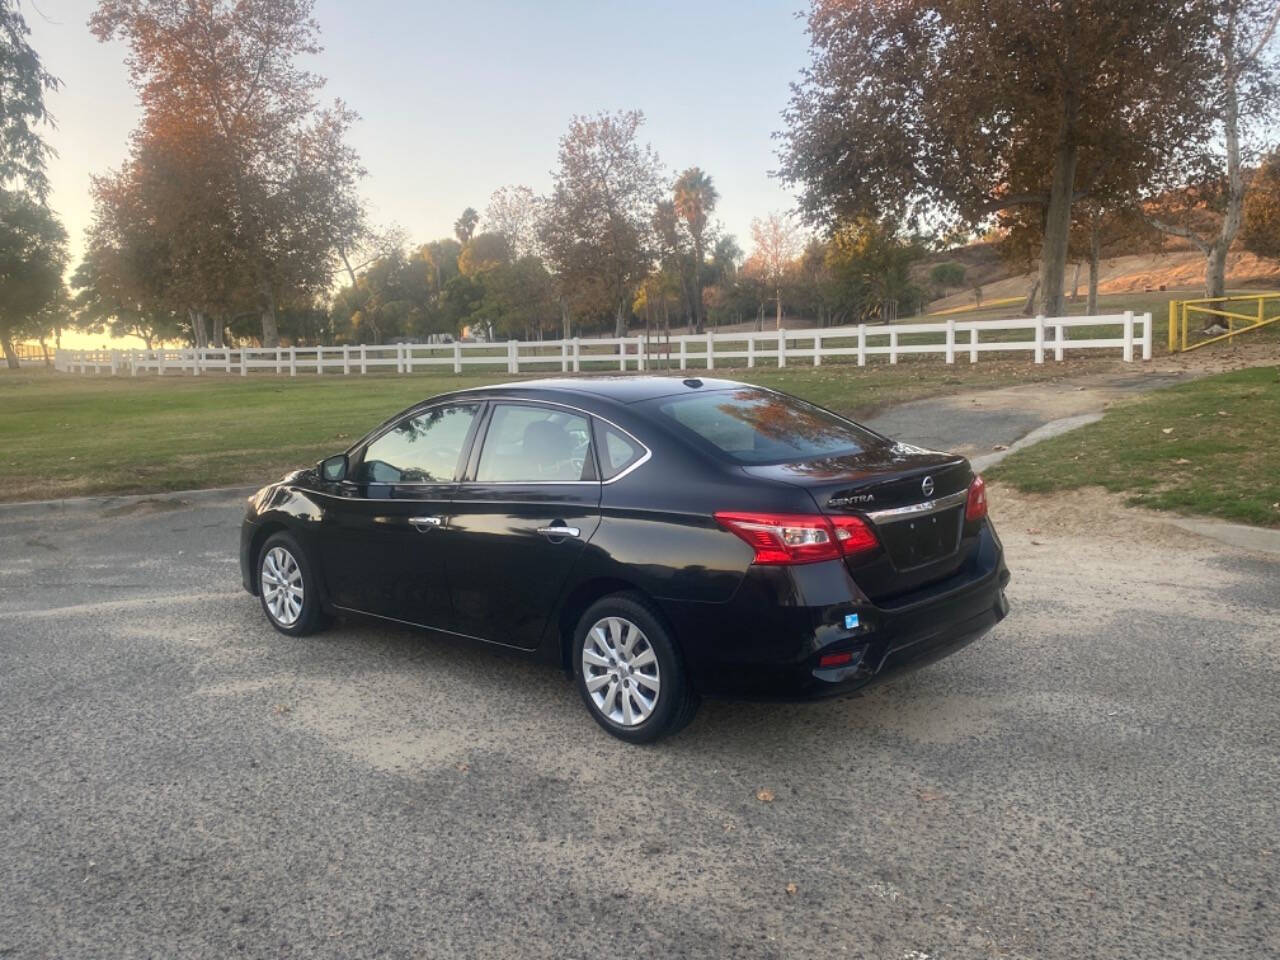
(70, 435)
(1206, 447)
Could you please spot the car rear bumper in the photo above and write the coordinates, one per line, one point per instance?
(769, 641)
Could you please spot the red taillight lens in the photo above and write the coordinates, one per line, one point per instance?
(835, 659)
(976, 508)
(789, 538)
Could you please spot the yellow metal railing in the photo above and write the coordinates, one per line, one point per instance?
(1240, 314)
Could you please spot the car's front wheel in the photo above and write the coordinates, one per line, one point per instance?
(287, 587)
(629, 672)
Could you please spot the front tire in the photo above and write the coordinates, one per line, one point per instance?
(287, 587)
(629, 672)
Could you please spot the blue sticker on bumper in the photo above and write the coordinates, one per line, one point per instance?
(851, 621)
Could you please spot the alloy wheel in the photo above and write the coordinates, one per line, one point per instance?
(282, 588)
(621, 672)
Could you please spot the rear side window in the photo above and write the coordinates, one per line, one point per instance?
(420, 449)
(617, 451)
(535, 444)
(751, 426)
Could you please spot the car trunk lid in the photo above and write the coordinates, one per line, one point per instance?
(913, 498)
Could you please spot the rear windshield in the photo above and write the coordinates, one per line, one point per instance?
(752, 426)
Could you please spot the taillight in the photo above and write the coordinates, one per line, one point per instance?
(976, 507)
(781, 539)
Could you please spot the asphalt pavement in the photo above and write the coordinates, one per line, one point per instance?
(1098, 777)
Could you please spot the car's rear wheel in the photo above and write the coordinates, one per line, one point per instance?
(629, 671)
(287, 587)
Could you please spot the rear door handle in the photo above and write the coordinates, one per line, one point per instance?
(423, 524)
(559, 531)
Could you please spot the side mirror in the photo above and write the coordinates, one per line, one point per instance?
(333, 469)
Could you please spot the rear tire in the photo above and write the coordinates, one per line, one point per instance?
(628, 671)
(287, 587)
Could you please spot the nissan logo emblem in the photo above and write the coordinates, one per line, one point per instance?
(926, 486)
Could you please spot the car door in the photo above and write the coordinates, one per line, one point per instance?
(520, 520)
(384, 532)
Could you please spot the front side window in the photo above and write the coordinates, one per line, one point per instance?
(535, 444)
(424, 448)
(753, 426)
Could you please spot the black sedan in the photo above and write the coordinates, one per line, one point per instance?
(661, 539)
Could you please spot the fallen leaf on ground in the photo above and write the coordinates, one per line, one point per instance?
(791, 889)
(1182, 461)
(1000, 446)
(764, 795)
(1167, 430)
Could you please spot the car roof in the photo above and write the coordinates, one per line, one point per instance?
(618, 389)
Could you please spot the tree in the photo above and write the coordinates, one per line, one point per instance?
(514, 212)
(23, 83)
(946, 275)
(465, 226)
(33, 256)
(597, 228)
(695, 199)
(898, 118)
(1241, 101)
(776, 243)
(1261, 232)
(221, 78)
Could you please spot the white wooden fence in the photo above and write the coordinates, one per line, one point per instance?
(1044, 337)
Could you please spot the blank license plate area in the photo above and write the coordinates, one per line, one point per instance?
(921, 540)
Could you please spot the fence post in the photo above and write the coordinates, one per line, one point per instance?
(684, 353)
(711, 350)
(408, 358)
(364, 360)
(1146, 335)
(346, 359)
(893, 346)
(133, 363)
(115, 362)
(642, 356)
(1059, 335)
(973, 344)
(226, 357)
(279, 361)
(244, 361)
(293, 361)
(951, 339)
(782, 348)
(164, 358)
(513, 358)
(577, 354)
(862, 344)
(1040, 338)
(817, 349)
(1128, 336)
(1173, 326)
(564, 355)
(751, 350)
(457, 356)
(319, 360)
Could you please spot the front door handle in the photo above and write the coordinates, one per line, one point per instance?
(558, 531)
(423, 524)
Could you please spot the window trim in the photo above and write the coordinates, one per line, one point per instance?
(473, 459)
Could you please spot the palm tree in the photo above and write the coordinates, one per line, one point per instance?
(465, 225)
(695, 198)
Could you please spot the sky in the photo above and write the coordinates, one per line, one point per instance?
(458, 99)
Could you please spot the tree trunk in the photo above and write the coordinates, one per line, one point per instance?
(44, 348)
(620, 321)
(270, 332)
(565, 319)
(1095, 255)
(1075, 284)
(1057, 227)
(1029, 305)
(219, 340)
(699, 313)
(10, 355)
